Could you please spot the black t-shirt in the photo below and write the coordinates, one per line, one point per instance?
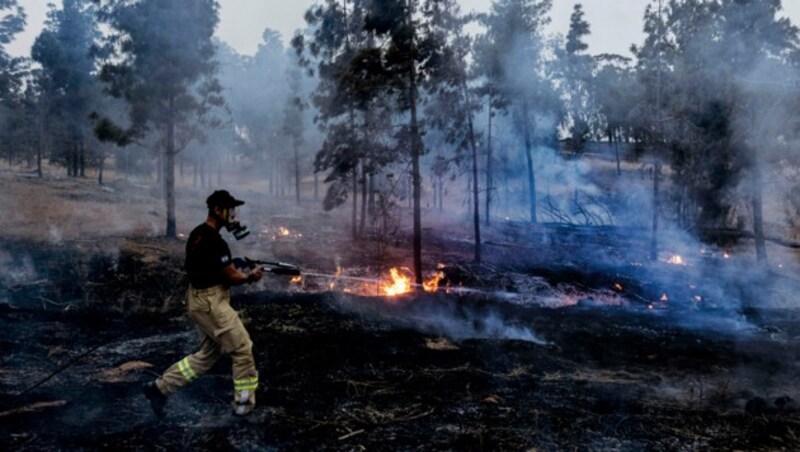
(206, 255)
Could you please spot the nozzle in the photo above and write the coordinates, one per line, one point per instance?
(288, 271)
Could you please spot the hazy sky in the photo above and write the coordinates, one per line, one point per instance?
(615, 24)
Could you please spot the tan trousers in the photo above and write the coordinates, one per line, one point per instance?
(221, 331)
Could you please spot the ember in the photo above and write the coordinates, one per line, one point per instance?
(676, 260)
(664, 297)
(280, 233)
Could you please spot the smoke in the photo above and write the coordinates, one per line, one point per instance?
(16, 269)
(458, 319)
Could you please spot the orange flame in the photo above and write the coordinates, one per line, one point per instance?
(618, 287)
(296, 280)
(432, 284)
(398, 285)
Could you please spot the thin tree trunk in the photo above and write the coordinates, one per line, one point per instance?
(169, 171)
(616, 152)
(758, 218)
(371, 194)
(159, 165)
(316, 185)
(297, 172)
(101, 165)
(441, 194)
(489, 168)
(39, 145)
(476, 210)
(529, 158)
(416, 177)
(363, 224)
(354, 213)
(656, 208)
(82, 162)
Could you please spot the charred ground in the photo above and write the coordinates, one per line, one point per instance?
(603, 367)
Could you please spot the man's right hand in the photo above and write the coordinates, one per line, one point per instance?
(256, 274)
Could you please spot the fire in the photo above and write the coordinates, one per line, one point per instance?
(398, 285)
(618, 287)
(664, 297)
(726, 255)
(676, 260)
(280, 233)
(296, 280)
(432, 284)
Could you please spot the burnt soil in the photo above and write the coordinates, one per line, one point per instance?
(348, 372)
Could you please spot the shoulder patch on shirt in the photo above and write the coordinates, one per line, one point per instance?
(225, 259)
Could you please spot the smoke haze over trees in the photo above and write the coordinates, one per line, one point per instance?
(423, 104)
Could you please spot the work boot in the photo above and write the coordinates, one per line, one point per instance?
(243, 404)
(156, 398)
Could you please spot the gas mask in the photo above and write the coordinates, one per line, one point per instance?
(233, 226)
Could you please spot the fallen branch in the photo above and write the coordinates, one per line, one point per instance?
(738, 235)
(38, 406)
(351, 434)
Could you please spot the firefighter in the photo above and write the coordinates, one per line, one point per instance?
(211, 274)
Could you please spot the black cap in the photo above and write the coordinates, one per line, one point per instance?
(221, 198)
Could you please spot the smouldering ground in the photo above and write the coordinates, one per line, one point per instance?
(548, 350)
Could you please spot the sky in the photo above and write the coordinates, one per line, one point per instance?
(615, 24)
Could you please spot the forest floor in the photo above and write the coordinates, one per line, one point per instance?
(564, 338)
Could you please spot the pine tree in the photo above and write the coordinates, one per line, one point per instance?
(166, 77)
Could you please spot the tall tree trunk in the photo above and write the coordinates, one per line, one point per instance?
(371, 194)
(506, 184)
(209, 174)
(529, 157)
(39, 146)
(297, 172)
(159, 167)
(656, 208)
(476, 210)
(435, 193)
(82, 162)
(271, 182)
(316, 186)
(416, 177)
(169, 171)
(489, 167)
(354, 216)
(196, 164)
(363, 224)
(441, 194)
(758, 217)
(101, 164)
(616, 152)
